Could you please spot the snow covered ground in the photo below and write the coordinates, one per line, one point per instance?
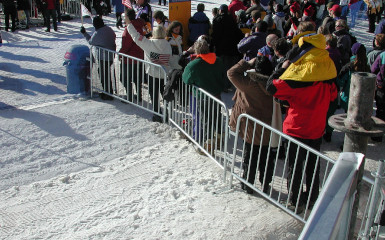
(75, 168)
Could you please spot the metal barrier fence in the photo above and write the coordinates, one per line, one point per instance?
(333, 213)
(71, 7)
(373, 224)
(126, 78)
(204, 120)
(280, 170)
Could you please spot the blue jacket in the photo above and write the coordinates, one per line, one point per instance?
(198, 25)
(251, 44)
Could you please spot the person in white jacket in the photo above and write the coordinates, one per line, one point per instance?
(156, 50)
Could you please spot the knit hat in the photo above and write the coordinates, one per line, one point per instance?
(98, 22)
(355, 48)
(263, 65)
(335, 8)
(329, 5)
(241, 14)
(295, 7)
(279, 8)
(224, 8)
(309, 11)
(269, 20)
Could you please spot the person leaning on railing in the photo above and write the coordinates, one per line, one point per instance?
(207, 71)
(131, 70)
(252, 98)
(305, 81)
(156, 50)
(103, 37)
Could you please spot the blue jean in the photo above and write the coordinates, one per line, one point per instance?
(344, 11)
(354, 9)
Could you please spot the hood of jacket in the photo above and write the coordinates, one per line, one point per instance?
(341, 32)
(315, 65)
(257, 77)
(200, 16)
(210, 58)
(280, 14)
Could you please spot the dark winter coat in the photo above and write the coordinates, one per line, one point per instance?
(252, 98)
(335, 55)
(380, 28)
(23, 5)
(344, 44)
(199, 24)
(9, 3)
(118, 6)
(251, 44)
(225, 35)
(378, 68)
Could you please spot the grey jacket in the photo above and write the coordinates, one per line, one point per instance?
(103, 37)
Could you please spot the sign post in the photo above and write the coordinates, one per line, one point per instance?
(180, 10)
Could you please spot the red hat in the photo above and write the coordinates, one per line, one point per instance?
(309, 11)
(335, 8)
(295, 7)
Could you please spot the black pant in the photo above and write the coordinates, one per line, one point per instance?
(252, 165)
(380, 103)
(211, 117)
(295, 171)
(105, 75)
(164, 2)
(132, 74)
(51, 13)
(119, 20)
(57, 6)
(155, 85)
(372, 21)
(10, 11)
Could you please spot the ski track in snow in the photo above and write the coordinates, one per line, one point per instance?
(79, 168)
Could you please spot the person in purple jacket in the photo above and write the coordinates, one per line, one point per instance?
(250, 44)
(378, 68)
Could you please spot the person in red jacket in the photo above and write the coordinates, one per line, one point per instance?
(305, 82)
(131, 70)
(50, 11)
(234, 6)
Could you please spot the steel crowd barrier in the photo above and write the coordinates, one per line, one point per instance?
(204, 120)
(125, 77)
(271, 164)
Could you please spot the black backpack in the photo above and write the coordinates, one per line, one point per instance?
(174, 77)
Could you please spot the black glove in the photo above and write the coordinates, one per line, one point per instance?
(82, 30)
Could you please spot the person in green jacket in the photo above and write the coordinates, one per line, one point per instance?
(208, 73)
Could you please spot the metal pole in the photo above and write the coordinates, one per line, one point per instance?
(374, 198)
(358, 124)
(362, 86)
